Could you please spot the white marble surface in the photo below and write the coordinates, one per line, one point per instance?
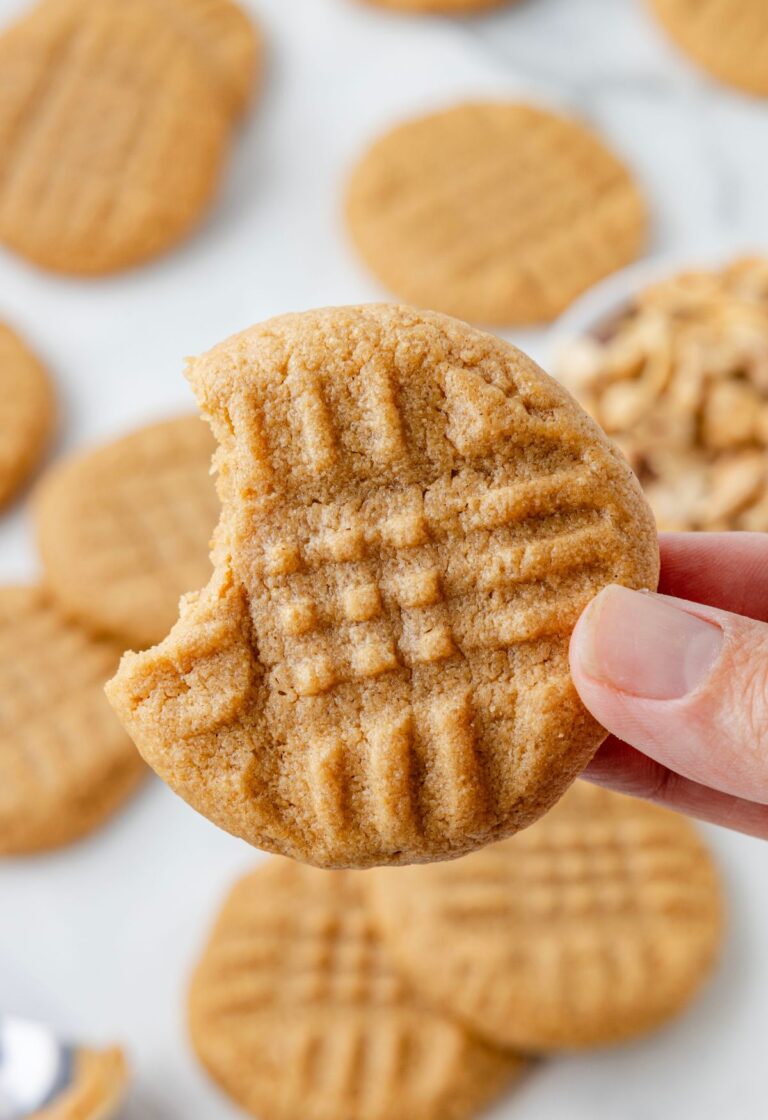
(101, 937)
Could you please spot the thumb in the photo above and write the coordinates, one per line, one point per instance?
(685, 684)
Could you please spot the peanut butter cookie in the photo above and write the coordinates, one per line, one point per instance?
(297, 1012)
(124, 530)
(115, 120)
(498, 213)
(595, 925)
(228, 39)
(27, 412)
(67, 764)
(729, 38)
(414, 516)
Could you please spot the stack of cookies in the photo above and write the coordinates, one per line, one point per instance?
(417, 991)
(101, 170)
(123, 531)
(115, 122)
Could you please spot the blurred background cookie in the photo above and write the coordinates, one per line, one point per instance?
(497, 213)
(27, 412)
(227, 39)
(596, 924)
(678, 378)
(124, 530)
(67, 764)
(729, 38)
(446, 7)
(115, 121)
(297, 1012)
(413, 518)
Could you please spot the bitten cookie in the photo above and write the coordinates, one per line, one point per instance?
(498, 213)
(67, 764)
(729, 38)
(595, 925)
(297, 1013)
(97, 1090)
(124, 530)
(414, 516)
(27, 412)
(115, 121)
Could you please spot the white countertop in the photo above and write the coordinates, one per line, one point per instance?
(100, 937)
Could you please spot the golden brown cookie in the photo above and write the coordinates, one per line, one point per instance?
(124, 530)
(297, 1013)
(445, 7)
(679, 380)
(226, 37)
(595, 925)
(729, 38)
(115, 121)
(414, 516)
(27, 412)
(97, 1090)
(67, 764)
(498, 213)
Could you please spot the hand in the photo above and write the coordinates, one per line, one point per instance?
(680, 679)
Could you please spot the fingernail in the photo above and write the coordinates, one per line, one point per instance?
(643, 645)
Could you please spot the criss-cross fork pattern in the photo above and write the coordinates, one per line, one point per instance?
(295, 958)
(602, 916)
(58, 738)
(151, 507)
(381, 569)
(570, 874)
(94, 129)
(354, 592)
(413, 517)
(324, 953)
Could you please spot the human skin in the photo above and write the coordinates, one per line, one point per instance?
(680, 680)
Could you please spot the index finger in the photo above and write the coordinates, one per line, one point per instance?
(724, 570)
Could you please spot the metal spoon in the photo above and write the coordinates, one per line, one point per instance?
(35, 1067)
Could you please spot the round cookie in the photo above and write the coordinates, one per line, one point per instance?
(97, 1091)
(124, 530)
(729, 38)
(224, 34)
(595, 925)
(414, 516)
(296, 1011)
(67, 764)
(112, 135)
(27, 412)
(499, 213)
